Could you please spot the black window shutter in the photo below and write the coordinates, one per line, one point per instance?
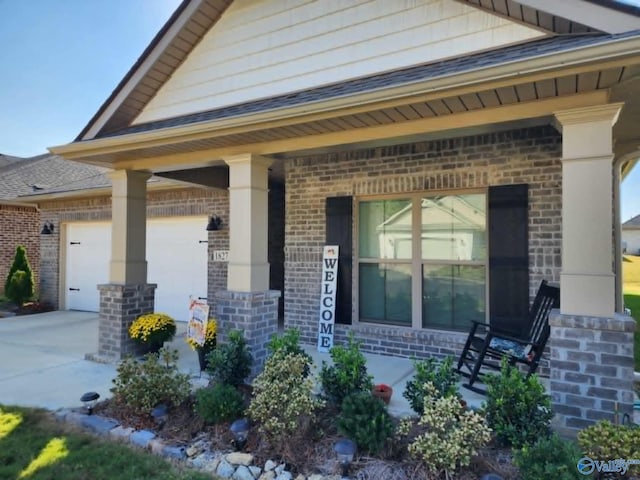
(509, 257)
(339, 221)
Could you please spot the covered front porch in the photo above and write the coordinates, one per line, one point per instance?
(566, 130)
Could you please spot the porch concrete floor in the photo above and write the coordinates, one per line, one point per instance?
(42, 363)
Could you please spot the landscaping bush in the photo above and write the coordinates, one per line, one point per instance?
(283, 403)
(348, 374)
(441, 375)
(18, 286)
(289, 342)
(152, 329)
(606, 441)
(547, 458)
(143, 385)
(219, 403)
(518, 409)
(449, 435)
(230, 362)
(365, 420)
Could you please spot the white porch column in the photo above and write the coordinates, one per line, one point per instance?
(248, 269)
(129, 223)
(587, 279)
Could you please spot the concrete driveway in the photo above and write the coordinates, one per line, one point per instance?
(42, 359)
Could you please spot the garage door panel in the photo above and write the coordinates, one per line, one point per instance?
(176, 262)
(87, 264)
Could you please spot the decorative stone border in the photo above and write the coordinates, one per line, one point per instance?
(197, 455)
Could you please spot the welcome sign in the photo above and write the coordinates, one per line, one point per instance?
(328, 297)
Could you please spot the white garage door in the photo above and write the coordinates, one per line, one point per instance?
(176, 262)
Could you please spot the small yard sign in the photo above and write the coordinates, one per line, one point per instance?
(328, 297)
(198, 318)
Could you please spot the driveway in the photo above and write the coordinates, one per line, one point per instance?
(42, 359)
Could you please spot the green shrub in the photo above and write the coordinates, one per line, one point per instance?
(219, 403)
(448, 434)
(19, 288)
(441, 375)
(348, 374)
(155, 380)
(365, 420)
(283, 404)
(606, 441)
(547, 458)
(230, 362)
(518, 409)
(289, 342)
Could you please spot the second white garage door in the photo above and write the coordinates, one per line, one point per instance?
(176, 262)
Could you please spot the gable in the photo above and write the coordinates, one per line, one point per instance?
(263, 48)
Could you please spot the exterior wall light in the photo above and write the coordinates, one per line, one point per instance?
(47, 228)
(215, 223)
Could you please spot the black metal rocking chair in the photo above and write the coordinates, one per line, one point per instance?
(486, 346)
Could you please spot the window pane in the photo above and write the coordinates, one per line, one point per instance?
(452, 296)
(385, 229)
(454, 227)
(385, 293)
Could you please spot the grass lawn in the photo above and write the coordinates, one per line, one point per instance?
(631, 288)
(33, 446)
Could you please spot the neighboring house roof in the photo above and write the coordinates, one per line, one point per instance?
(193, 18)
(632, 224)
(43, 172)
(7, 160)
(530, 50)
(30, 179)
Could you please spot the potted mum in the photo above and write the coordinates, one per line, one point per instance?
(209, 344)
(151, 330)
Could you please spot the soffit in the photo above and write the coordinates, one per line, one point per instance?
(385, 121)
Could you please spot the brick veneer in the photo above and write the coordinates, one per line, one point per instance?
(255, 314)
(19, 225)
(120, 305)
(520, 156)
(591, 369)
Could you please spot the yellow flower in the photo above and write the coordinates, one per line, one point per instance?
(209, 336)
(153, 327)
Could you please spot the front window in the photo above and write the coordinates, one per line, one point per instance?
(422, 260)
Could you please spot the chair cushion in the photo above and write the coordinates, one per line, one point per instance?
(510, 347)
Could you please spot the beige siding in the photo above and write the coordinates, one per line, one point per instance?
(261, 48)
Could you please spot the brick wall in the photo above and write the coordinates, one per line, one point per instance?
(521, 156)
(591, 369)
(178, 202)
(19, 226)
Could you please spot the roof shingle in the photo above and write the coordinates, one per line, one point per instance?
(546, 46)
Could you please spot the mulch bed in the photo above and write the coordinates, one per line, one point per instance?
(28, 308)
(307, 453)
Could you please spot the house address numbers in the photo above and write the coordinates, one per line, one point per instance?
(221, 255)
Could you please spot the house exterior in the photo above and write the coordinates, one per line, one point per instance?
(75, 254)
(20, 221)
(631, 236)
(457, 153)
